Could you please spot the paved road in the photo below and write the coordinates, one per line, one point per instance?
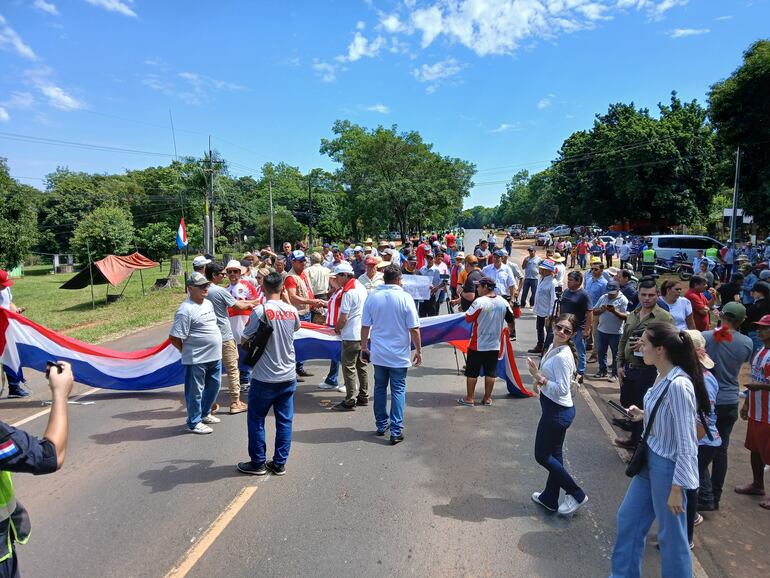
(452, 500)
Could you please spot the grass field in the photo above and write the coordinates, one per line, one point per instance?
(71, 312)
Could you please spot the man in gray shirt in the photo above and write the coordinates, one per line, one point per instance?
(612, 311)
(196, 335)
(730, 349)
(273, 380)
(531, 275)
(221, 300)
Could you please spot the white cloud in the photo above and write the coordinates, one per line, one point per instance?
(325, 70)
(191, 87)
(47, 7)
(392, 23)
(60, 99)
(381, 108)
(4, 116)
(12, 42)
(723, 18)
(119, 6)
(361, 47)
(685, 32)
(659, 9)
(438, 71)
(430, 22)
(545, 102)
(360, 25)
(505, 127)
(20, 100)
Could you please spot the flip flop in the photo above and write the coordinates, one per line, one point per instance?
(486, 402)
(461, 401)
(749, 490)
(765, 504)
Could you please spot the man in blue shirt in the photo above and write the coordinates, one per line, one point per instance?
(596, 286)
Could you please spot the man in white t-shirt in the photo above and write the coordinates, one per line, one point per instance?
(348, 327)
(390, 317)
(501, 274)
(196, 335)
(488, 313)
(273, 381)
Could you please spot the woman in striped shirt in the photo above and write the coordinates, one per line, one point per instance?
(671, 468)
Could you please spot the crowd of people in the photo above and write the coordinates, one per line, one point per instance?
(679, 378)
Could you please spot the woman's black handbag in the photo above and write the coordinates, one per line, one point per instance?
(256, 344)
(640, 454)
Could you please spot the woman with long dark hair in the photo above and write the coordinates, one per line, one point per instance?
(671, 465)
(554, 378)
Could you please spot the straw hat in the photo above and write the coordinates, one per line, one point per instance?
(235, 264)
(557, 258)
(700, 348)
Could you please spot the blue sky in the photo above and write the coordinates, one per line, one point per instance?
(500, 83)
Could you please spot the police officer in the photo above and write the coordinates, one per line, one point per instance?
(648, 260)
(22, 452)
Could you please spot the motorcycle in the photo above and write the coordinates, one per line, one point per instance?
(677, 265)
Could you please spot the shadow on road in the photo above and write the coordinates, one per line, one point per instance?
(478, 508)
(196, 472)
(335, 435)
(164, 413)
(139, 433)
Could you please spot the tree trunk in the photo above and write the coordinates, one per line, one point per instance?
(176, 266)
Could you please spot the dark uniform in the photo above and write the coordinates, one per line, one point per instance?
(19, 452)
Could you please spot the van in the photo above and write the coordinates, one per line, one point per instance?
(666, 246)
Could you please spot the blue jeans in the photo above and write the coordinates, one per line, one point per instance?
(549, 441)
(333, 375)
(201, 386)
(263, 396)
(397, 378)
(580, 347)
(582, 260)
(647, 500)
(529, 285)
(307, 317)
(243, 369)
(605, 339)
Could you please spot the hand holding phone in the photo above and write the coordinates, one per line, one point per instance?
(619, 408)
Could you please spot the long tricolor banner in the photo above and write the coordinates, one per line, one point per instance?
(24, 343)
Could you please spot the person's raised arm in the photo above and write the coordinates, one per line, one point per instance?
(60, 383)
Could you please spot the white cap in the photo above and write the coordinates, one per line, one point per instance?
(200, 261)
(358, 248)
(234, 264)
(342, 267)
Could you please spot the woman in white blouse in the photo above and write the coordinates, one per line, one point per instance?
(679, 307)
(658, 491)
(554, 379)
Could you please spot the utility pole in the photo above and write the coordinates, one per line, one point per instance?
(272, 231)
(209, 233)
(310, 212)
(211, 201)
(735, 195)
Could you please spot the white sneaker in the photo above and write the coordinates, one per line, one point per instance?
(341, 388)
(570, 505)
(210, 419)
(536, 499)
(325, 385)
(200, 428)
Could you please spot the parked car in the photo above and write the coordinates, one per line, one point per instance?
(542, 238)
(560, 231)
(607, 239)
(517, 231)
(531, 232)
(667, 246)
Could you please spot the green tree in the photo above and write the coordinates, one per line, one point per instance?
(285, 225)
(156, 240)
(386, 172)
(739, 107)
(18, 218)
(516, 202)
(106, 231)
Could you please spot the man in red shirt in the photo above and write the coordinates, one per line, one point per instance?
(700, 304)
(582, 253)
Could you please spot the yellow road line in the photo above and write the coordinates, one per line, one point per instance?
(195, 553)
(43, 412)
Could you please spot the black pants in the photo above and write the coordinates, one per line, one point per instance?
(636, 381)
(705, 457)
(711, 486)
(9, 568)
(543, 329)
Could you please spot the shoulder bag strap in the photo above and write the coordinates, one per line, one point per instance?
(648, 429)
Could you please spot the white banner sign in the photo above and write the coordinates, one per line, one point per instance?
(418, 286)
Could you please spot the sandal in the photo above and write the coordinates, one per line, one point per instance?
(749, 490)
(487, 402)
(765, 504)
(461, 401)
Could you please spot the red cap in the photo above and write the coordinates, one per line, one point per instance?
(370, 261)
(764, 321)
(4, 280)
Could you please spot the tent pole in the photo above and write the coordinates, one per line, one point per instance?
(91, 274)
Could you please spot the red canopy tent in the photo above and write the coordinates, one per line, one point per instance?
(113, 269)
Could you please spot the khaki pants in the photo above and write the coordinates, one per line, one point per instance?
(353, 371)
(230, 364)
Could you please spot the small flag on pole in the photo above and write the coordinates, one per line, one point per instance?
(181, 235)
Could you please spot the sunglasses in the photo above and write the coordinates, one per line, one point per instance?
(232, 271)
(564, 329)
